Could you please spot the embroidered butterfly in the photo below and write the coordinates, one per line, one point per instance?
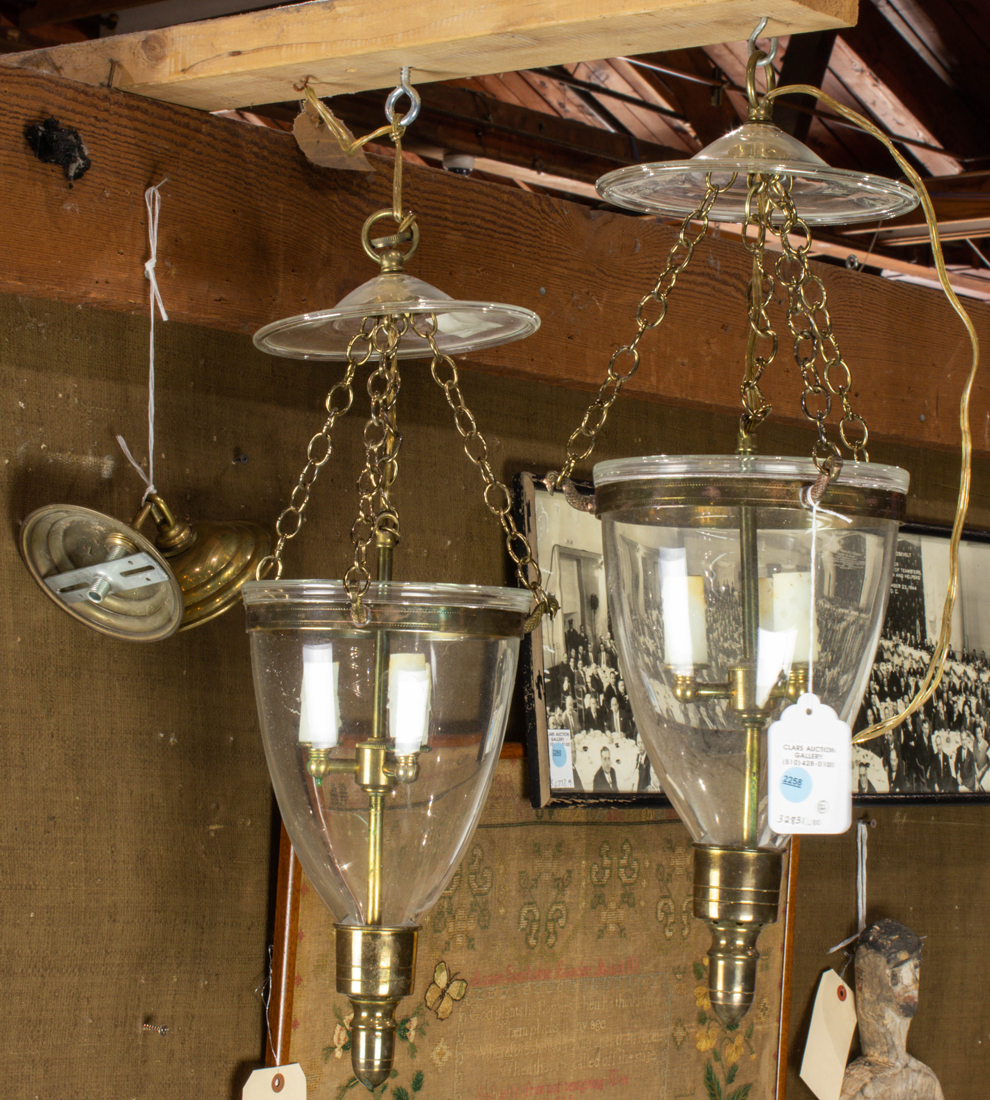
(443, 991)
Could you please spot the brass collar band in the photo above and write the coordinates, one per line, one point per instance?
(736, 884)
(375, 962)
(640, 500)
(317, 605)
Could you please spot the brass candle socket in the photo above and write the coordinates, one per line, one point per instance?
(736, 892)
(375, 970)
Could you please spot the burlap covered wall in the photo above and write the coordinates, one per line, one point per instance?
(135, 829)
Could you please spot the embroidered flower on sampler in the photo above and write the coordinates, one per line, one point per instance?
(341, 1042)
(441, 1054)
(734, 1051)
(410, 1029)
(707, 1036)
(724, 1045)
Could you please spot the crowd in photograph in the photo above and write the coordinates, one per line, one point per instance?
(943, 747)
(586, 695)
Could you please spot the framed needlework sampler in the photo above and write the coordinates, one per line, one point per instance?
(562, 959)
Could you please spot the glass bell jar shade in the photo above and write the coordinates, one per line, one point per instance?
(450, 652)
(461, 326)
(382, 741)
(685, 590)
(711, 584)
(822, 195)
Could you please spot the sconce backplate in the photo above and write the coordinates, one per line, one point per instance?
(60, 538)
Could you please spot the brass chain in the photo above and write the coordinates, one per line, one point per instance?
(814, 340)
(381, 449)
(338, 402)
(756, 408)
(582, 440)
(497, 498)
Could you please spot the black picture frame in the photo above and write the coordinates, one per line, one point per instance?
(567, 547)
(961, 703)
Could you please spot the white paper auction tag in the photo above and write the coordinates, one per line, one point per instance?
(809, 751)
(276, 1083)
(833, 1022)
(561, 763)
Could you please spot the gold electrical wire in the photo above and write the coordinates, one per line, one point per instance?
(933, 675)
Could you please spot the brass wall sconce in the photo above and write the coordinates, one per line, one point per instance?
(109, 576)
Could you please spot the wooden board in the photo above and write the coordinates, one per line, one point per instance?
(354, 45)
(251, 232)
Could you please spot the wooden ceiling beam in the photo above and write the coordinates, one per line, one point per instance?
(962, 208)
(806, 62)
(250, 231)
(710, 110)
(889, 112)
(936, 106)
(357, 45)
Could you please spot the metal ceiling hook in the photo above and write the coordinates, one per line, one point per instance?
(404, 88)
(758, 30)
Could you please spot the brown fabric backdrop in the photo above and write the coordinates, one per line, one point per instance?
(135, 832)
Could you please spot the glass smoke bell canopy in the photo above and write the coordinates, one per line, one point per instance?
(461, 326)
(450, 653)
(679, 575)
(822, 195)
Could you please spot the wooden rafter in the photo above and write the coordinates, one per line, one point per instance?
(461, 121)
(357, 45)
(582, 271)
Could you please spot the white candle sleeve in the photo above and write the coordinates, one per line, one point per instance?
(792, 610)
(684, 632)
(319, 702)
(408, 701)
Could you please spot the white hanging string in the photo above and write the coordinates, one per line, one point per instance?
(153, 202)
(862, 831)
(811, 612)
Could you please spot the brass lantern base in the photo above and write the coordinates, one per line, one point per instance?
(375, 969)
(736, 891)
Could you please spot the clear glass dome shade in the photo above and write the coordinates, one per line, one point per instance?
(450, 652)
(461, 326)
(690, 543)
(822, 195)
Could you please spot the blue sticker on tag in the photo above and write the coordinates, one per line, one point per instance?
(559, 754)
(795, 784)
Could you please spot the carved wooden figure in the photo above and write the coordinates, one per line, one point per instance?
(888, 962)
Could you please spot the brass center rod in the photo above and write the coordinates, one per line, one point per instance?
(379, 729)
(750, 567)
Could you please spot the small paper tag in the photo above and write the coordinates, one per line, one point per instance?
(833, 1022)
(276, 1083)
(809, 750)
(322, 148)
(561, 764)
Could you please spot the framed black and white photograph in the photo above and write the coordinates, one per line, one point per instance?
(582, 740)
(941, 751)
